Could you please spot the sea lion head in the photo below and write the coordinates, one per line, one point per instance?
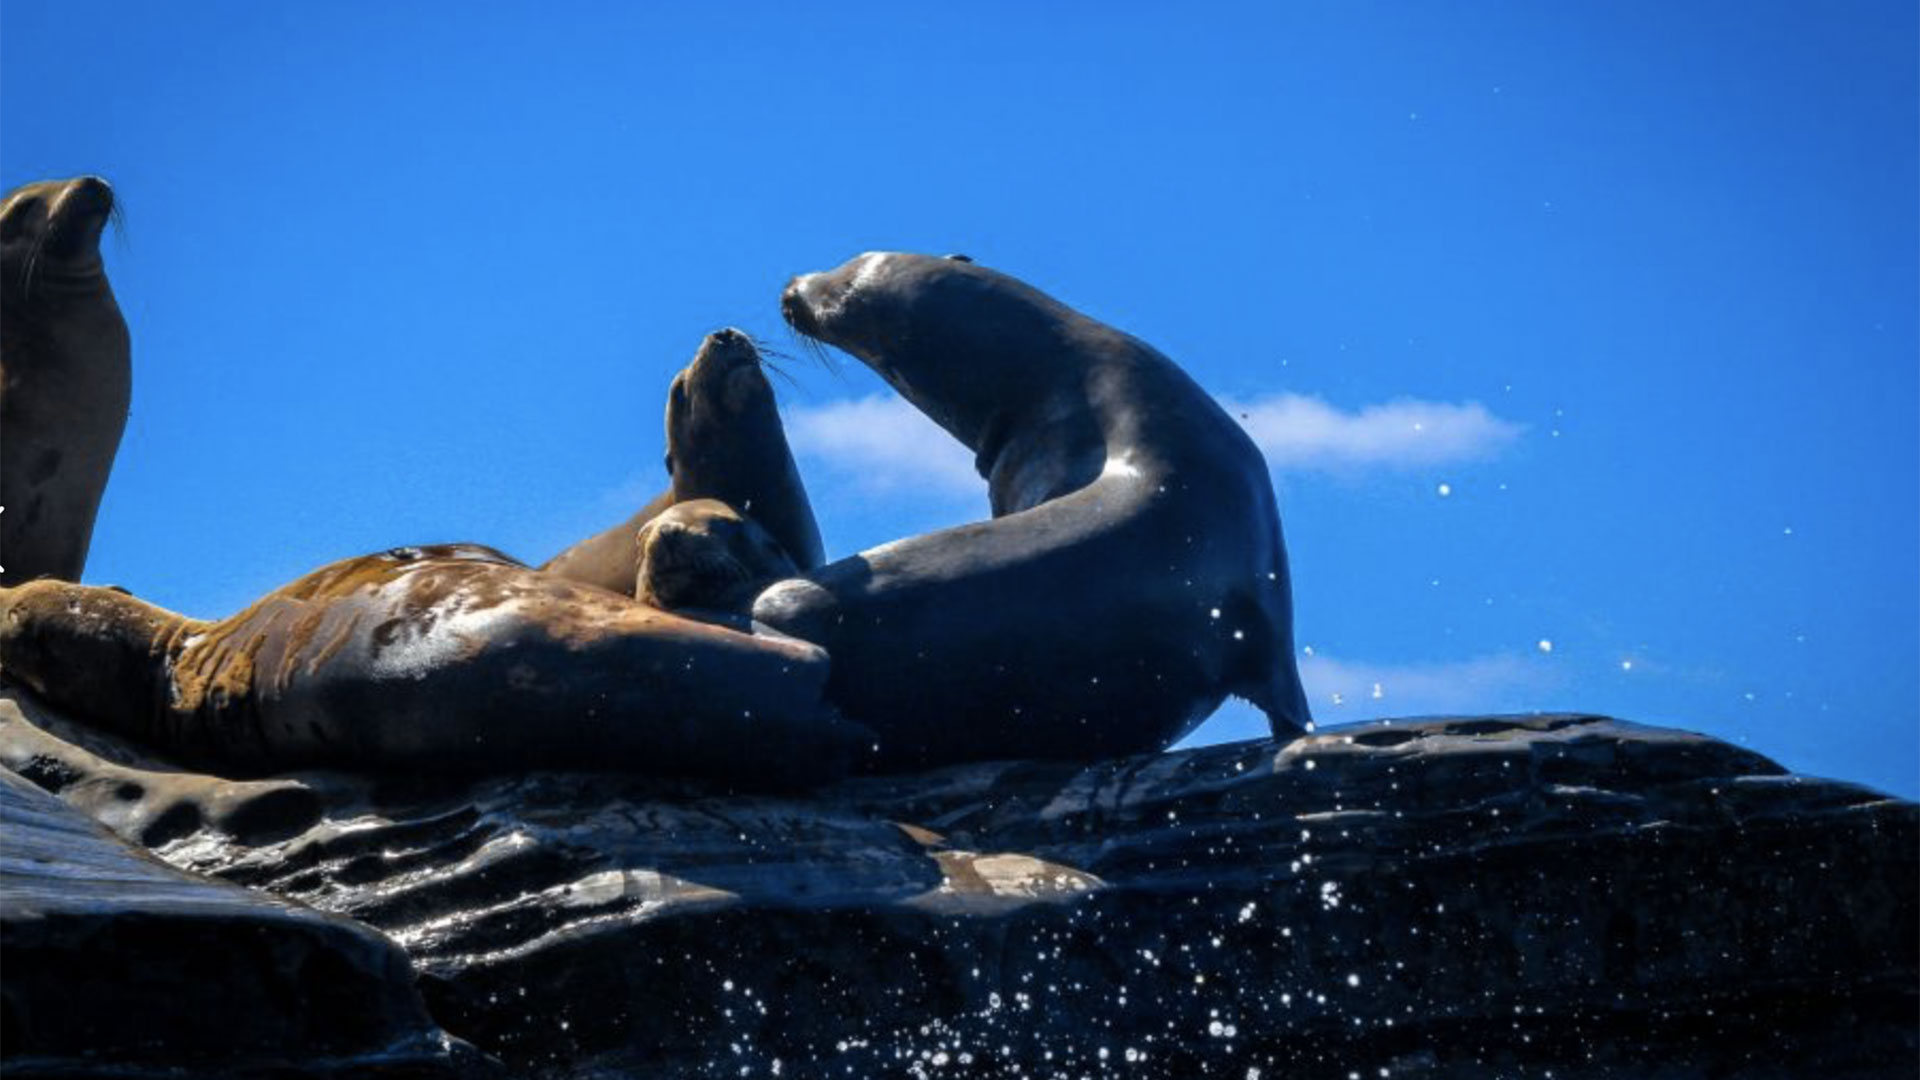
(725, 441)
(961, 342)
(704, 554)
(52, 282)
(53, 227)
(718, 406)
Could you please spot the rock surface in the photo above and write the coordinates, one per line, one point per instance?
(1441, 898)
(115, 959)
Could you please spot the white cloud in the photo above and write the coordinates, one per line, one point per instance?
(882, 444)
(1295, 432)
(885, 445)
(1343, 690)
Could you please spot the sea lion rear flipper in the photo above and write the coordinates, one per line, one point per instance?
(1281, 697)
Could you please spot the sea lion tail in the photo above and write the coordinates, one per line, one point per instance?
(97, 653)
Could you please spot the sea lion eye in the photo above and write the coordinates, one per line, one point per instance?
(961, 258)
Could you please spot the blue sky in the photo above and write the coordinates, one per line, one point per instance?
(1588, 325)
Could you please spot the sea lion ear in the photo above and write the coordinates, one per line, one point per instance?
(669, 463)
(961, 258)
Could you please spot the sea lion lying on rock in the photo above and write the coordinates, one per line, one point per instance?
(452, 658)
(1133, 574)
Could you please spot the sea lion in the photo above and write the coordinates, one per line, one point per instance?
(66, 376)
(725, 442)
(1133, 573)
(703, 555)
(451, 658)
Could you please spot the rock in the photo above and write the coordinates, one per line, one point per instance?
(1441, 898)
(118, 962)
(141, 798)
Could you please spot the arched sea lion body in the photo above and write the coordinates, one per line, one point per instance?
(724, 442)
(66, 376)
(439, 659)
(1133, 574)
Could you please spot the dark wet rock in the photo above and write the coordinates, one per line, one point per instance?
(116, 963)
(141, 798)
(1442, 898)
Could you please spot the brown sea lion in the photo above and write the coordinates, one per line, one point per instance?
(440, 659)
(1133, 574)
(66, 376)
(725, 442)
(703, 555)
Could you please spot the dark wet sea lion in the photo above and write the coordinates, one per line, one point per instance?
(725, 442)
(1133, 574)
(66, 376)
(703, 555)
(437, 659)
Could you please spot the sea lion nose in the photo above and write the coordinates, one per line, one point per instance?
(794, 309)
(92, 189)
(79, 214)
(87, 198)
(724, 350)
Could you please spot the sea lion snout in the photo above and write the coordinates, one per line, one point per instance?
(87, 194)
(66, 216)
(78, 215)
(811, 302)
(795, 309)
(727, 348)
(724, 377)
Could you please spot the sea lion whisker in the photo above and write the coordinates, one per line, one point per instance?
(117, 219)
(769, 353)
(767, 364)
(818, 351)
